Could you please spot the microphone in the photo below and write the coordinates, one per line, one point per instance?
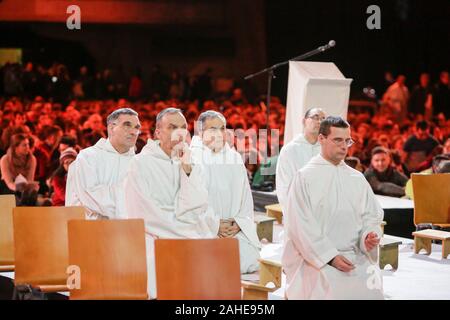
(330, 44)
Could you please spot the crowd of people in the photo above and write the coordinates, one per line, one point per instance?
(41, 133)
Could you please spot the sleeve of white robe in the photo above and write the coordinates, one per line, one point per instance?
(83, 186)
(371, 219)
(192, 201)
(183, 221)
(245, 218)
(303, 229)
(284, 175)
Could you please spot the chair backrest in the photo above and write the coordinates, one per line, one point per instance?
(197, 269)
(431, 198)
(111, 258)
(40, 243)
(7, 203)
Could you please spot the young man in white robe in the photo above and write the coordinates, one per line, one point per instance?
(165, 189)
(95, 179)
(297, 153)
(332, 237)
(229, 194)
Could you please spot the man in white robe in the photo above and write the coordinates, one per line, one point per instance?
(229, 194)
(167, 191)
(294, 155)
(95, 178)
(332, 237)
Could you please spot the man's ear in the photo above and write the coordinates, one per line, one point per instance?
(109, 128)
(321, 138)
(157, 132)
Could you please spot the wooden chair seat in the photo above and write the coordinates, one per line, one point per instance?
(431, 199)
(7, 203)
(41, 245)
(197, 269)
(111, 256)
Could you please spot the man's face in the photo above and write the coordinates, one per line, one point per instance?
(214, 134)
(172, 130)
(335, 145)
(422, 134)
(380, 162)
(424, 80)
(312, 123)
(124, 131)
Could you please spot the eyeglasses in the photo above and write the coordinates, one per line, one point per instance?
(128, 127)
(339, 141)
(317, 117)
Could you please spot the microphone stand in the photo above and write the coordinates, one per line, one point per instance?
(271, 74)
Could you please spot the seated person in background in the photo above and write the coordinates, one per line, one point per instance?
(383, 177)
(419, 149)
(355, 163)
(59, 178)
(17, 165)
(438, 166)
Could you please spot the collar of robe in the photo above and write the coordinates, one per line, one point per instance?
(320, 160)
(105, 144)
(300, 138)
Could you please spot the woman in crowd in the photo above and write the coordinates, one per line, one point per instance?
(59, 177)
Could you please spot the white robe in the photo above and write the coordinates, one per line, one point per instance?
(173, 205)
(293, 156)
(95, 180)
(330, 210)
(229, 196)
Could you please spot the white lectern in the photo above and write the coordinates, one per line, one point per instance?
(314, 84)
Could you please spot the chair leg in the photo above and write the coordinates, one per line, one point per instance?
(445, 248)
(422, 243)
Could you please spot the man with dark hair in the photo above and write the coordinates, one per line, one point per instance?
(333, 225)
(298, 152)
(420, 96)
(419, 149)
(442, 95)
(95, 178)
(383, 177)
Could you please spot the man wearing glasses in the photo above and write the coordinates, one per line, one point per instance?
(95, 178)
(298, 152)
(333, 232)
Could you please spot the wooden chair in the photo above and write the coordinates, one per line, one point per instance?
(111, 258)
(432, 199)
(40, 246)
(7, 203)
(200, 269)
